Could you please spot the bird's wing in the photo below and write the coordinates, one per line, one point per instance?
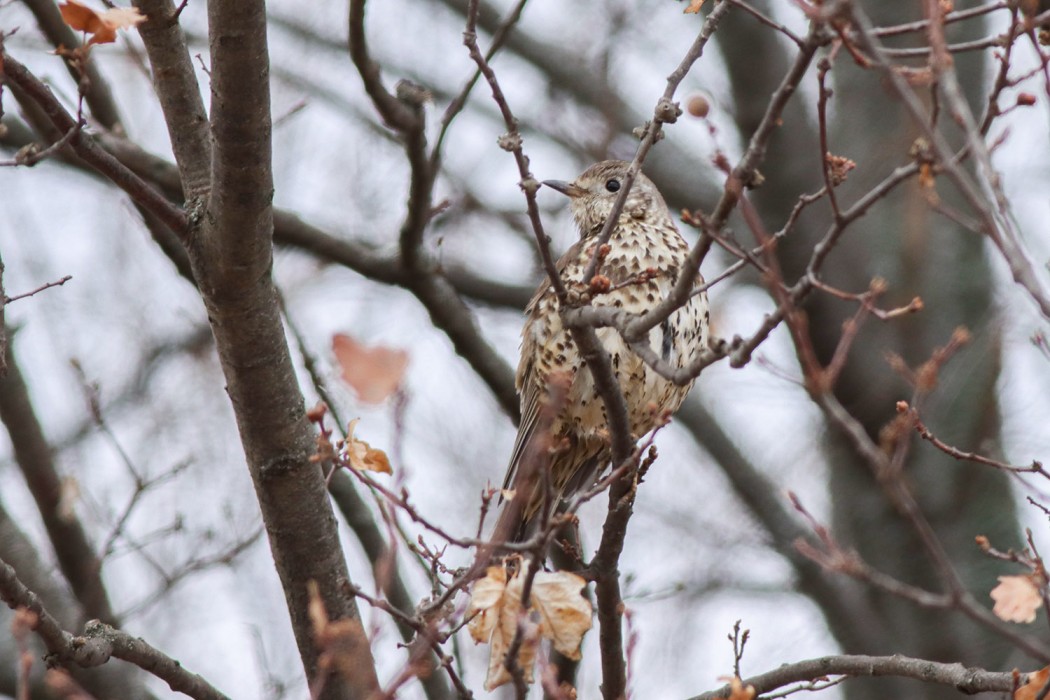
(528, 385)
(529, 392)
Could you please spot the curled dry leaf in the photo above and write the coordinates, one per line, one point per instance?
(1016, 599)
(343, 643)
(694, 7)
(102, 26)
(362, 456)
(838, 167)
(374, 373)
(1036, 681)
(565, 615)
(557, 611)
(495, 607)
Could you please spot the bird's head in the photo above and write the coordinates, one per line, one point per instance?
(593, 193)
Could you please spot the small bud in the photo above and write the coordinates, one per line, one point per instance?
(316, 414)
(668, 111)
(412, 93)
(1025, 99)
(509, 142)
(600, 284)
(902, 407)
(530, 186)
(961, 335)
(838, 168)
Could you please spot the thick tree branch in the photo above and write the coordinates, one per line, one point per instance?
(232, 262)
(180, 97)
(966, 680)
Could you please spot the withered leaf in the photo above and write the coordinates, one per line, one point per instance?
(102, 26)
(557, 611)
(363, 456)
(1016, 599)
(373, 372)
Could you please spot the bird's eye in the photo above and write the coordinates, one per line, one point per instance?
(613, 185)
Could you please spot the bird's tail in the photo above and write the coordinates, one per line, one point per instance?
(535, 495)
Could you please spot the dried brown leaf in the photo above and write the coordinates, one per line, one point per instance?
(102, 26)
(1016, 599)
(1036, 681)
(363, 456)
(694, 7)
(496, 606)
(557, 611)
(565, 615)
(373, 372)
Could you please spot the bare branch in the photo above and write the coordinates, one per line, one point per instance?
(966, 680)
(100, 642)
(5, 300)
(175, 82)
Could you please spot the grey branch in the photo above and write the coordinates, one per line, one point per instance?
(100, 642)
(966, 680)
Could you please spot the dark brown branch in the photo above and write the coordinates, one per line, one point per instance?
(395, 113)
(839, 598)
(291, 231)
(951, 17)
(900, 496)
(175, 82)
(405, 114)
(232, 261)
(460, 101)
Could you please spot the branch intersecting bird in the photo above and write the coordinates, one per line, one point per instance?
(646, 254)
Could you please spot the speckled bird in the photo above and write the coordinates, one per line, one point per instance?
(645, 256)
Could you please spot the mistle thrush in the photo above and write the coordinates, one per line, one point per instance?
(646, 255)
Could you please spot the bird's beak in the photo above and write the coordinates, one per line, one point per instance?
(567, 188)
